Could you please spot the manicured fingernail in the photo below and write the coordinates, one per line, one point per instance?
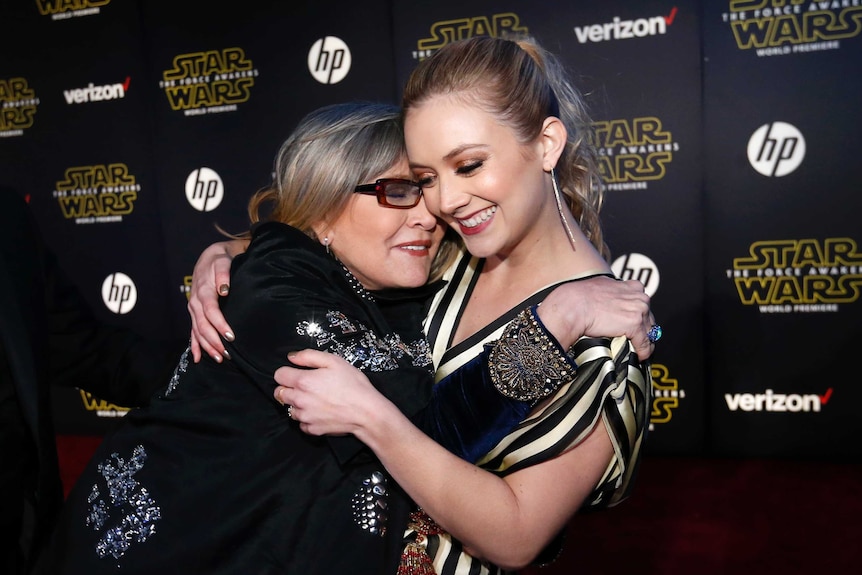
(223, 289)
(225, 354)
(217, 358)
(228, 335)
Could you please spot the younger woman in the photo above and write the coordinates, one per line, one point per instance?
(499, 141)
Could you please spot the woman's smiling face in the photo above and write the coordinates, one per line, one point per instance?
(386, 247)
(475, 174)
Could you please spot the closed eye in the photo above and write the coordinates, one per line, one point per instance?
(468, 169)
(426, 181)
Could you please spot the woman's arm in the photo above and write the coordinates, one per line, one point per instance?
(496, 418)
(505, 520)
(594, 307)
(599, 307)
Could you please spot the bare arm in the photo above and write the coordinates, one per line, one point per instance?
(211, 279)
(505, 520)
(599, 307)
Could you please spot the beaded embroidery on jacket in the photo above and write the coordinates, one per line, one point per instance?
(127, 505)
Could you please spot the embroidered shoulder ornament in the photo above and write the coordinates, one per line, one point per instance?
(526, 364)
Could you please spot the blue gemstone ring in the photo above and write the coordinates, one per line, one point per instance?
(654, 333)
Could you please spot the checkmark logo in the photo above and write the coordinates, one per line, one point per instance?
(824, 399)
(129, 78)
(620, 29)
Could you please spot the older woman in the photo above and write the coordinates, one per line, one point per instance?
(213, 476)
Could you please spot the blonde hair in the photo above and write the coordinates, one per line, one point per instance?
(521, 84)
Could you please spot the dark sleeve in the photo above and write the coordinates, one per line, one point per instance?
(285, 297)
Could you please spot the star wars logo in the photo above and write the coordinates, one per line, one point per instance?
(209, 82)
(18, 104)
(97, 194)
(447, 31)
(63, 9)
(798, 276)
(186, 287)
(633, 152)
(666, 395)
(100, 406)
(781, 27)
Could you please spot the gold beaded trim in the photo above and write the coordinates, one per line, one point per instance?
(414, 557)
(525, 364)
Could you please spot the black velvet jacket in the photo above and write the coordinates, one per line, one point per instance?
(213, 477)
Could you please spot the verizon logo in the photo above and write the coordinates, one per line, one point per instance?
(624, 29)
(93, 93)
(770, 401)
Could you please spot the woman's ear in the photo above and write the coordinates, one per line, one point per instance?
(553, 142)
(323, 233)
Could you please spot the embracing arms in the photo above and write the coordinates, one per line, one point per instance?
(510, 515)
(506, 520)
(570, 311)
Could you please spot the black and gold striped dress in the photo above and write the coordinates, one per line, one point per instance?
(609, 385)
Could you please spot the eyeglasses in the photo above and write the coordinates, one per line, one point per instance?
(393, 192)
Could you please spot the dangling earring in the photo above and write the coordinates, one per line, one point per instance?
(559, 197)
(326, 245)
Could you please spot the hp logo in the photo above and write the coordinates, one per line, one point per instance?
(204, 189)
(119, 293)
(776, 149)
(638, 267)
(329, 60)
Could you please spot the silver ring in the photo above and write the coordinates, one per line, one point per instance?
(654, 333)
(290, 412)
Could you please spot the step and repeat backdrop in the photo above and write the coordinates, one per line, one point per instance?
(729, 134)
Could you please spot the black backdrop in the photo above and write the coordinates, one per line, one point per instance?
(728, 130)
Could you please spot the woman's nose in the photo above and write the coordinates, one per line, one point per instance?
(421, 216)
(445, 199)
(450, 199)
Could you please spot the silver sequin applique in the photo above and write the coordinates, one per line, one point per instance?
(181, 368)
(128, 504)
(370, 505)
(367, 351)
(420, 351)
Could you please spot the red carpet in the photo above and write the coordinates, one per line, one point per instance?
(74, 451)
(716, 516)
(692, 516)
